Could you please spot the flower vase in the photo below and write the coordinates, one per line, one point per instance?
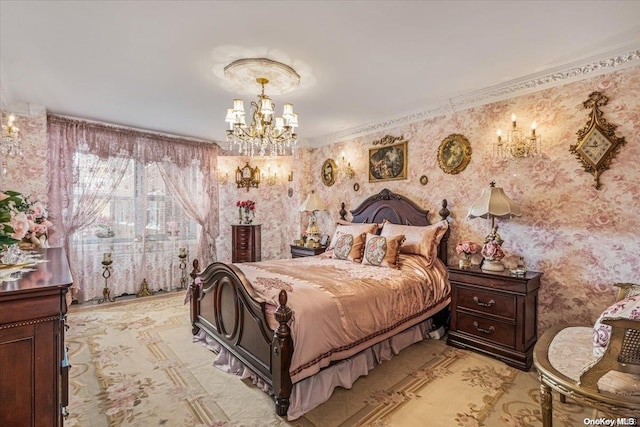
(248, 216)
(465, 263)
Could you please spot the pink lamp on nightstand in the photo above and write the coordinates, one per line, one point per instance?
(493, 203)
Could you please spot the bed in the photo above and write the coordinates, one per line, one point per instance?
(293, 327)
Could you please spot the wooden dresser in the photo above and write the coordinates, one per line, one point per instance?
(245, 243)
(495, 314)
(33, 377)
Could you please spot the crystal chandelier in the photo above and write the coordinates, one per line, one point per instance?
(10, 141)
(265, 133)
(515, 144)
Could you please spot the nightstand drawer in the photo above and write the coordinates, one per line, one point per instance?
(488, 329)
(487, 302)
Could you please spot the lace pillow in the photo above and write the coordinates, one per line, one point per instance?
(627, 308)
(418, 240)
(349, 247)
(382, 251)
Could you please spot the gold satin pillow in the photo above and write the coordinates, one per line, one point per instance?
(354, 229)
(418, 240)
(382, 251)
(349, 247)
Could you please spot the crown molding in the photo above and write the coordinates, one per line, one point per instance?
(561, 75)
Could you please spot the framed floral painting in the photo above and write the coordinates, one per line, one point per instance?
(388, 163)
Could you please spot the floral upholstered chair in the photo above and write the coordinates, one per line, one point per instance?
(596, 366)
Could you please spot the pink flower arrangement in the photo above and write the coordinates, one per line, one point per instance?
(467, 248)
(248, 205)
(22, 219)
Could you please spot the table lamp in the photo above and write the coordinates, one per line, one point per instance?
(493, 203)
(312, 204)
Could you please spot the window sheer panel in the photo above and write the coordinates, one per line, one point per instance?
(155, 193)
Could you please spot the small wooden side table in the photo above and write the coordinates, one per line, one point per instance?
(302, 251)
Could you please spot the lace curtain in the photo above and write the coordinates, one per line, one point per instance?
(155, 194)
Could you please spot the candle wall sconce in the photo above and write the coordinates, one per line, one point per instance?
(271, 179)
(223, 178)
(182, 256)
(290, 177)
(106, 273)
(247, 177)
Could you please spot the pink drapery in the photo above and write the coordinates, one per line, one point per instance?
(187, 167)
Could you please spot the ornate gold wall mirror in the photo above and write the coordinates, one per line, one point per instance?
(597, 141)
(247, 177)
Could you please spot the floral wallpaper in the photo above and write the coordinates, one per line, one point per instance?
(27, 173)
(583, 239)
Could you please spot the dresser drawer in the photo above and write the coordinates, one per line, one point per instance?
(488, 329)
(487, 302)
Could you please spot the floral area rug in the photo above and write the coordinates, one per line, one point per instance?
(134, 364)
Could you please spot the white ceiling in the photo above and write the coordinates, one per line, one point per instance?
(148, 64)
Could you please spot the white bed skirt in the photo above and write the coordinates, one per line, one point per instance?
(317, 389)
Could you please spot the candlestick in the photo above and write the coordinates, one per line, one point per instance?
(106, 273)
(183, 252)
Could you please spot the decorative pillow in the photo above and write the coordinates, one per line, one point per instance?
(626, 308)
(354, 229)
(418, 240)
(382, 251)
(349, 247)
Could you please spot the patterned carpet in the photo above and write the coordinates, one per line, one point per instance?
(133, 364)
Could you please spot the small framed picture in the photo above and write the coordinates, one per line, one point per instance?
(324, 240)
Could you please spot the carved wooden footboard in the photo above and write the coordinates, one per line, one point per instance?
(225, 305)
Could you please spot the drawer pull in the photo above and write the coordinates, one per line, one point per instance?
(486, 331)
(484, 304)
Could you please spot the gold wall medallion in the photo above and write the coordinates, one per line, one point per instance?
(356, 187)
(329, 172)
(597, 141)
(424, 180)
(454, 153)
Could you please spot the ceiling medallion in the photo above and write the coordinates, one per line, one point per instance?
(597, 141)
(265, 133)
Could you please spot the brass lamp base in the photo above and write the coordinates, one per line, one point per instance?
(492, 265)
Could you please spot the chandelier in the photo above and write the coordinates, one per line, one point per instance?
(265, 133)
(9, 141)
(515, 144)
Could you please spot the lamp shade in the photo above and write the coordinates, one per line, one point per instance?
(312, 203)
(493, 203)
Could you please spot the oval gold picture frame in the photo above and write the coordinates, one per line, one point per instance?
(329, 172)
(454, 153)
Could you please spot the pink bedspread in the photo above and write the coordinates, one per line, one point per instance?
(340, 307)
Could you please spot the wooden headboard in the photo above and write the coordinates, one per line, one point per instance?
(398, 209)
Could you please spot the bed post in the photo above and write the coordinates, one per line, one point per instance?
(282, 350)
(444, 214)
(195, 295)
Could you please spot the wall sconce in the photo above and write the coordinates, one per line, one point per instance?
(290, 177)
(271, 179)
(347, 170)
(515, 144)
(248, 177)
(223, 178)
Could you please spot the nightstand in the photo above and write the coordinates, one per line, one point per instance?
(495, 313)
(302, 251)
